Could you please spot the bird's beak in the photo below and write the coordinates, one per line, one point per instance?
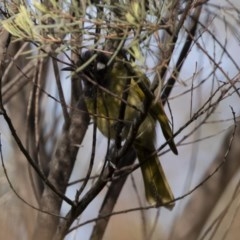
(69, 68)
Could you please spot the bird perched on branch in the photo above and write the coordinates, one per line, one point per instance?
(115, 94)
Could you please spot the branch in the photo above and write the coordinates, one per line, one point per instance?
(183, 55)
(60, 171)
(111, 197)
(188, 226)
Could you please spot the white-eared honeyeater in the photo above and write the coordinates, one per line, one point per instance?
(104, 89)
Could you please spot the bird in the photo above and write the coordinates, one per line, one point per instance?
(105, 81)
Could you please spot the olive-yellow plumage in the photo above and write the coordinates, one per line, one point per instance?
(105, 105)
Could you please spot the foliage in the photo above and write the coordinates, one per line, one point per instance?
(174, 43)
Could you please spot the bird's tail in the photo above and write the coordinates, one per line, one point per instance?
(157, 189)
(158, 112)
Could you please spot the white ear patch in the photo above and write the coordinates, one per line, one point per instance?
(100, 66)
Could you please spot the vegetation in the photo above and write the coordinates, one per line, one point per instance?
(56, 165)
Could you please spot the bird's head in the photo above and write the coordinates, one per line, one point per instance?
(94, 70)
(96, 66)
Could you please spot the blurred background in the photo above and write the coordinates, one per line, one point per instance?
(208, 145)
